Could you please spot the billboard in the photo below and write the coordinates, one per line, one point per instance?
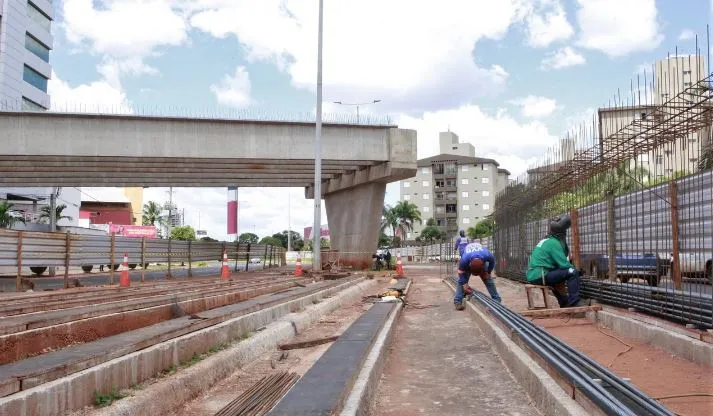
(323, 232)
(134, 231)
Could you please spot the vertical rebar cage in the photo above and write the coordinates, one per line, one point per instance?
(638, 184)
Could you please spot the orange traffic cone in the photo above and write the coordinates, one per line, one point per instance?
(124, 280)
(399, 267)
(224, 271)
(298, 268)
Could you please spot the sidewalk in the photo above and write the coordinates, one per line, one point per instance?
(440, 364)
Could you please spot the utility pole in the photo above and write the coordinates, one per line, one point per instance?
(170, 212)
(358, 105)
(316, 261)
(53, 220)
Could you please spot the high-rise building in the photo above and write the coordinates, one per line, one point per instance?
(25, 44)
(455, 188)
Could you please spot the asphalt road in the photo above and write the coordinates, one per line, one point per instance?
(103, 278)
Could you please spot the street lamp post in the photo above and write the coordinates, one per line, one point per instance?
(316, 261)
(357, 105)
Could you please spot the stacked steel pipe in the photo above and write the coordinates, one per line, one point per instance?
(261, 397)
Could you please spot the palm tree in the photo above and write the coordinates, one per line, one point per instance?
(407, 214)
(151, 213)
(389, 220)
(7, 220)
(46, 210)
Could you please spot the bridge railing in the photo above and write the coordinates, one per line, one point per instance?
(27, 251)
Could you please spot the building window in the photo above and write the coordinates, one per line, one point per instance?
(485, 167)
(33, 45)
(451, 169)
(424, 171)
(486, 180)
(29, 105)
(450, 182)
(38, 17)
(35, 79)
(486, 207)
(464, 194)
(438, 169)
(464, 181)
(693, 159)
(486, 193)
(687, 72)
(426, 196)
(426, 209)
(464, 168)
(451, 209)
(659, 159)
(408, 235)
(426, 183)
(466, 220)
(407, 184)
(466, 207)
(686, 84)
(407, 197)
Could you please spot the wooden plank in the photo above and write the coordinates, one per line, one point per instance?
(308, 344)
(561, 311)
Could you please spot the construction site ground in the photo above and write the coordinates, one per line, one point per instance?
(655, 371)
(439, 363)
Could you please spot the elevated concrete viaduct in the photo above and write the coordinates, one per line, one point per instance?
(73, 150)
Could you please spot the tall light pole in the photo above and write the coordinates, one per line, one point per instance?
(357, 105)
(289, 222)
(316, 261)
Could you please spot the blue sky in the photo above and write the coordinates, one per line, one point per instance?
(510, 76)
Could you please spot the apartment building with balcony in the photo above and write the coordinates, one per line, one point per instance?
(455, 188)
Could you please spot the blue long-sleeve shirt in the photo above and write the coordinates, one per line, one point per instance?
(461, 243)
(475, 251)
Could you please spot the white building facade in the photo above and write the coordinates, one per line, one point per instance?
(455, 188)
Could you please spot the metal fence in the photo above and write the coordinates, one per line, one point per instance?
(432, 253)
(638, 185)
(20, 250)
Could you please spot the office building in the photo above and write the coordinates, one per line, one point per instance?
(455, 188)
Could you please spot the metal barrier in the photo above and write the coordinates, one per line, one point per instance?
(22, 249)
(638, 186)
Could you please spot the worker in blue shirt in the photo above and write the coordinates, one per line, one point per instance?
(461, 242)
(476, 260)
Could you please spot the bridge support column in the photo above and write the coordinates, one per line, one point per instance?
(354, 216)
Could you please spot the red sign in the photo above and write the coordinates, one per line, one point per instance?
(134, 231)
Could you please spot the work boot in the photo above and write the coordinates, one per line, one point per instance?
(459, 306)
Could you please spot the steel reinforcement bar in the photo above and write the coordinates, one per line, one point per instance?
(604, 389)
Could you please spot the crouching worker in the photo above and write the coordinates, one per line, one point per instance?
(549, 265)
(475, 260)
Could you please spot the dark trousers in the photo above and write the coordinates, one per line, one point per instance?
(556, 277)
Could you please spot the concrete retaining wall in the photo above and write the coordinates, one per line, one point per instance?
(76, 391)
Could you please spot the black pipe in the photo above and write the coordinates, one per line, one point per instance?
(630, 392)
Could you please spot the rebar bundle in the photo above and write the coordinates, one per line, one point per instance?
(261, 397)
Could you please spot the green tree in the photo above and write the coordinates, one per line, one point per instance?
(208, 239)
(184, 233)
(431, 232)
(384, 240)
(248, 238)
(7, 220)
(272, 241)
(151, 213)
(297, 241)
(389, 220)
(483, 228)
(407, 214)
(323, 243)
(46, 210)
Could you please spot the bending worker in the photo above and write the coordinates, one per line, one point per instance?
(461, 243)
(479, 261)
(549, 265)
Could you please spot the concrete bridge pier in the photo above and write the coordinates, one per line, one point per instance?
(354, 217)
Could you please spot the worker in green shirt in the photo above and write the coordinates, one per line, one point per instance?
(549, 264)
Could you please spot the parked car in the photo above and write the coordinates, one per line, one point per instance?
(647, 266)
(695, 265)
(255, 260)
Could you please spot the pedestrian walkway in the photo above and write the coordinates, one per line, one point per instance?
(439, 362)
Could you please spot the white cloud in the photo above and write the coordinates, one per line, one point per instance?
(548, 25)
(96, 97)
(536, 107)
(234, 90)
(563, 58)
(124, 28)
(687, 34)
(413, 58)
(618, 27)
(498, 135)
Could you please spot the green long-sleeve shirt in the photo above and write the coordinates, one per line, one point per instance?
(548, 254)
